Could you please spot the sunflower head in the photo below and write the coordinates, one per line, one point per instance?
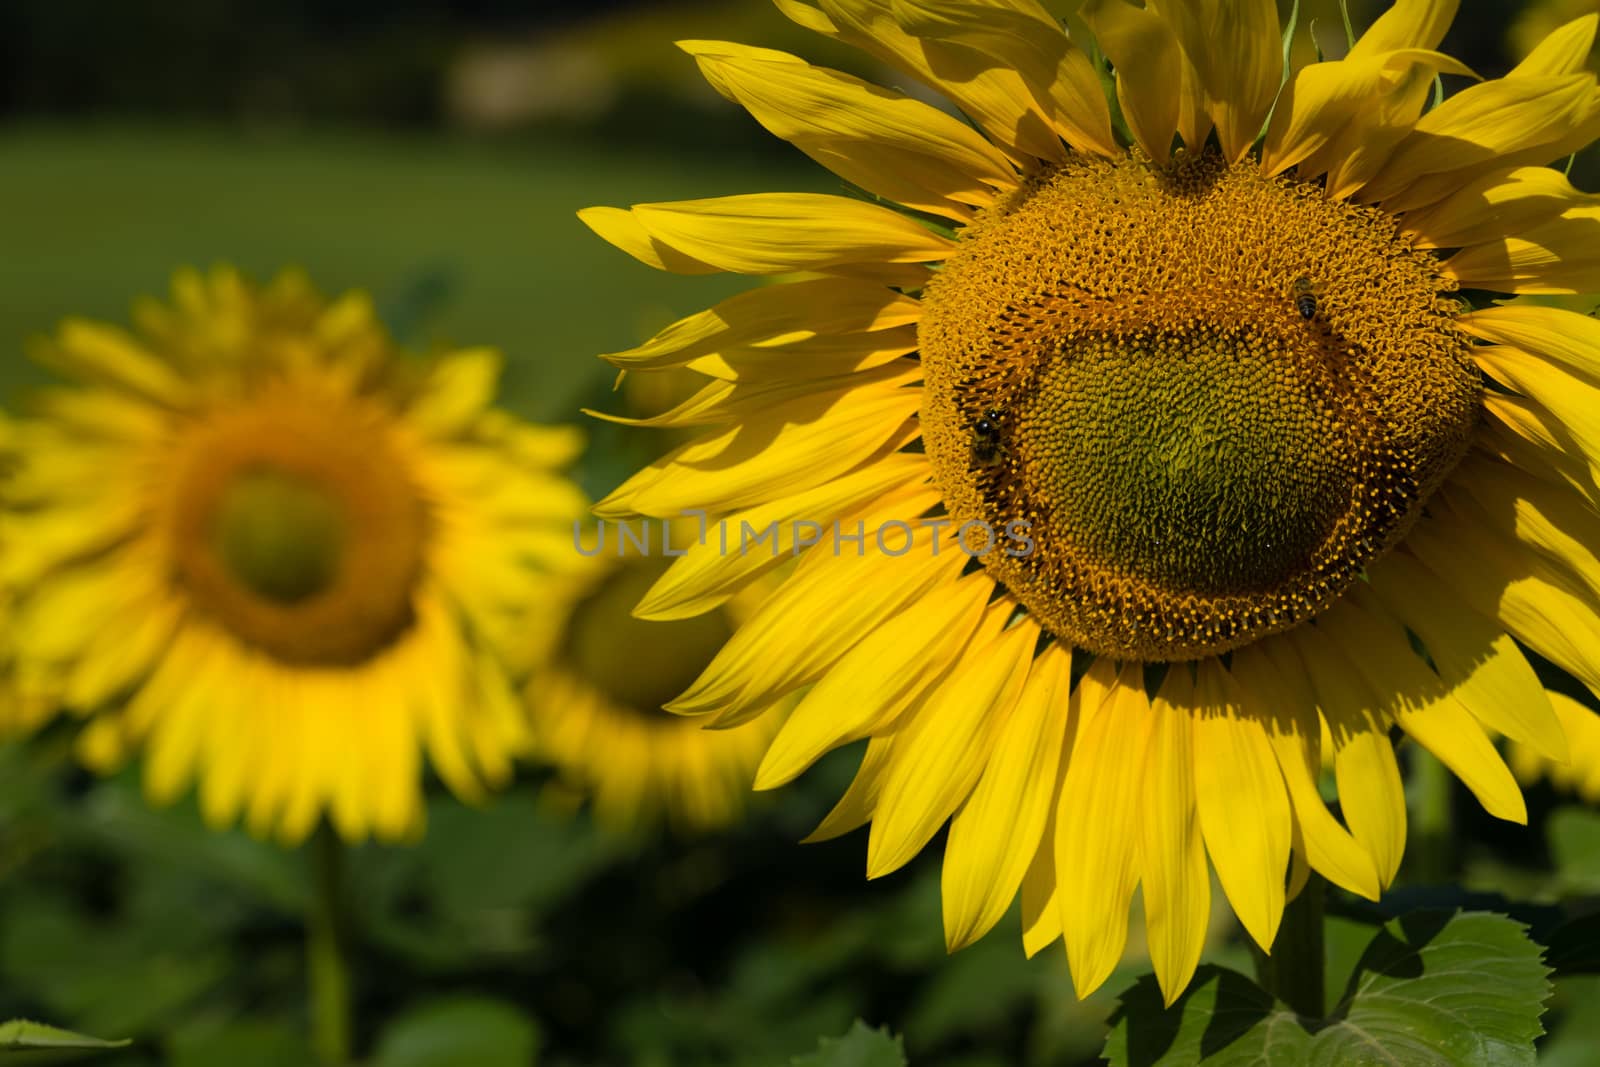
(603, 677)
(258, 541)
(1191, 329)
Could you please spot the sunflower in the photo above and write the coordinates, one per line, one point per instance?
(257, 542)
(602, 677)
(1247, 482)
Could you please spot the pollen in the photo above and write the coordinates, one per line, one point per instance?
(1199, 461)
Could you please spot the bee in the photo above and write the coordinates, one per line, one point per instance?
(987, 450)
(1306, 293)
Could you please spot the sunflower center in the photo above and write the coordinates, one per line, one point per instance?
(295, 525)
(1212, 397)
(639, 664)
(280, 537)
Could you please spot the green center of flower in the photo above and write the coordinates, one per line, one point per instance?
(1208, 459)
(1212, 397)
(280, 536)
(639, 664)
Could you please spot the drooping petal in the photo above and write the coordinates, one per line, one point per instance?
(995, 836)
(1418, 701)
(1172, 855)
(1244, 807)
(1479, 662)
(808, 624)
(942, 748)
(1096, 861)
(867, 690)
(706, 577)
(1288, 707)
(1528, 597)
(1370, 793)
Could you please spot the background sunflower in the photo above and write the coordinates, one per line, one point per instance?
(410, 151)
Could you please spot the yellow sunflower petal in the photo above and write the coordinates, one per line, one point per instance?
(941, 750)
(1021, 36)
(1572, 400)
(772, 233)
(1040, 905)
(1418, 701)
(775, 313)
(1370, 793)
(1244, 807)
(1407, 24)
(867, 690)
(622, 228)
(106, 355)
(1172, 856)
(807, 625)
(1488, 209)
(792, 448)
(861, 799)
(996, 96)
(1236, 47)
(898, 148)
(1528, 597)
(995, 836)
(1519, 432)
(1543, 516)
(1563, 51)
(1142, 47)
(1565, 337)
(706, 576)
(1482, 127)
(1096, 861)
(1285, 703)
(1558, 256)
(1322, 99)
(1479, 662)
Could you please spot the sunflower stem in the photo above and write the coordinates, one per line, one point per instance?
(1294, 971)
(327, 943)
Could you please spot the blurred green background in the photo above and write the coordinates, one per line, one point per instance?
(435, 153)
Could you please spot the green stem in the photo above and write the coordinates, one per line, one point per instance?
(327, 960)
(1294, 971)
(1435, 862)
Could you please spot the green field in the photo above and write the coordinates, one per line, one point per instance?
(98, 215)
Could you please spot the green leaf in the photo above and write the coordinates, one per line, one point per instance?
(1465, 989)
(446, 1033)
(20, 1035)
(861, 1047)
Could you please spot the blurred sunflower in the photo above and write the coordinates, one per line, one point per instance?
(257, 542)
(1272, 481)
(596, 696)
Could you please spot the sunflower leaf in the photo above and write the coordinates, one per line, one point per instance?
(862, 1046)
(21, 1035)
(1465, 988)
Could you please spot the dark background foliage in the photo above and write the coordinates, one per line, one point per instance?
(435, 153)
